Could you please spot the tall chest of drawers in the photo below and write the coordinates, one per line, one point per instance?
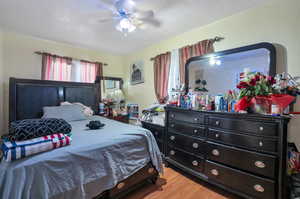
(241, 153)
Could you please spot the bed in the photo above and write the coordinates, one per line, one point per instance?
(104, 163)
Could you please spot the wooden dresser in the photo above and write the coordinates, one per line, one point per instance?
(241, 153)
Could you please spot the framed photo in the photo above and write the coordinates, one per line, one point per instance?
(137, 73)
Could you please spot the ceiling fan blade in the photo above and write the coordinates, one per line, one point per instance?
(105, 20)
(144, 14)
(151, 21)
(105, 5)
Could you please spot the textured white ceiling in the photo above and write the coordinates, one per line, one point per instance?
(75, 21)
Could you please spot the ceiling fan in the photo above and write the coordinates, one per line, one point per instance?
(127, 16)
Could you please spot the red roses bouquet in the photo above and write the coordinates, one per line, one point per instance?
(255, 91)
(256, 84)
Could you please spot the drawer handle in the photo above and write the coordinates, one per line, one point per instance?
(215, 152)
(172, 137)
(195, 163)
(217, 135)
(260, 164)
(150, 170)
(195, 131)
(195, 119)
(195, 145)
(261, 128)
(261, 143)
(121, 185)
(172, 115)
(258, 188)
(172, 125)
(215, 172)
(172, 152)
(217, 123)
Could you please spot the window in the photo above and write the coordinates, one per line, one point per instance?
(65, 69)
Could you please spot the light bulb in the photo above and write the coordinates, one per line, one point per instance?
(125, 23)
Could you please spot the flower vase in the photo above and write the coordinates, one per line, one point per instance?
(261, 104)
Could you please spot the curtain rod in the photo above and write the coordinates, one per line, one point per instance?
(41, 53)
(215, 39)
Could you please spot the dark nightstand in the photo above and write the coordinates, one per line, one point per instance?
(120, 118)
(158, 132)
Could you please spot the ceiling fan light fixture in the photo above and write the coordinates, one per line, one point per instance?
(125, 26)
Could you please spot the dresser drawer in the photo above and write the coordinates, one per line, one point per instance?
(259, 128)
(186, 159)
(189, 117)
(254, 186)
(257, 163)
(187, 129)
(186, 143)
(245, 141)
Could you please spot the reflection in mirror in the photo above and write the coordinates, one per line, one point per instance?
(218, 74)
(112, 89)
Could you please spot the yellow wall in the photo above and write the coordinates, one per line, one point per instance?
(1, 83)
(276, 22)
(21, 62)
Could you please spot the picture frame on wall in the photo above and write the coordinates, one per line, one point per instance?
(137, 73)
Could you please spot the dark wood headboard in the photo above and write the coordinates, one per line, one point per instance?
(27, 97)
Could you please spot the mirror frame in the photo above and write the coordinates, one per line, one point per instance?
(270, 47)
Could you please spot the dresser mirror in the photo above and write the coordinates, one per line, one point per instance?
(111, 88)
(219, 72)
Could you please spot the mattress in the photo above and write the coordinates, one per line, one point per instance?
(95, 161)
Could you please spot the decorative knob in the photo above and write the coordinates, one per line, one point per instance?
(195, 145)
(195, 131)
(172, 125)
(195, 163)
(215, 152)
(150, 170)
(217, 135)
(217, 123)
(215, 172)
(172, 115)
(156, 133)
(261, 143)
(260, 164)
(196, 119)
(258, 188)
(121, 185)
(261, 128)
(172, 137)
(172, 152)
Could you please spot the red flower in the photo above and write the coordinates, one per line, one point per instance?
(242, 85)
(257, 77)
(271, 80)
(252, 82)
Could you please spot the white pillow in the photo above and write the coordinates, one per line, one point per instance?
(87, 111)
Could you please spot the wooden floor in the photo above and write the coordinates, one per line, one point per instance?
(173, 185)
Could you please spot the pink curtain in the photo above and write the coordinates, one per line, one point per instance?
(90, 70)
(198, 49)
(161, 76)
(56, 68)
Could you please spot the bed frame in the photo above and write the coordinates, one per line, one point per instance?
(27, 98)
